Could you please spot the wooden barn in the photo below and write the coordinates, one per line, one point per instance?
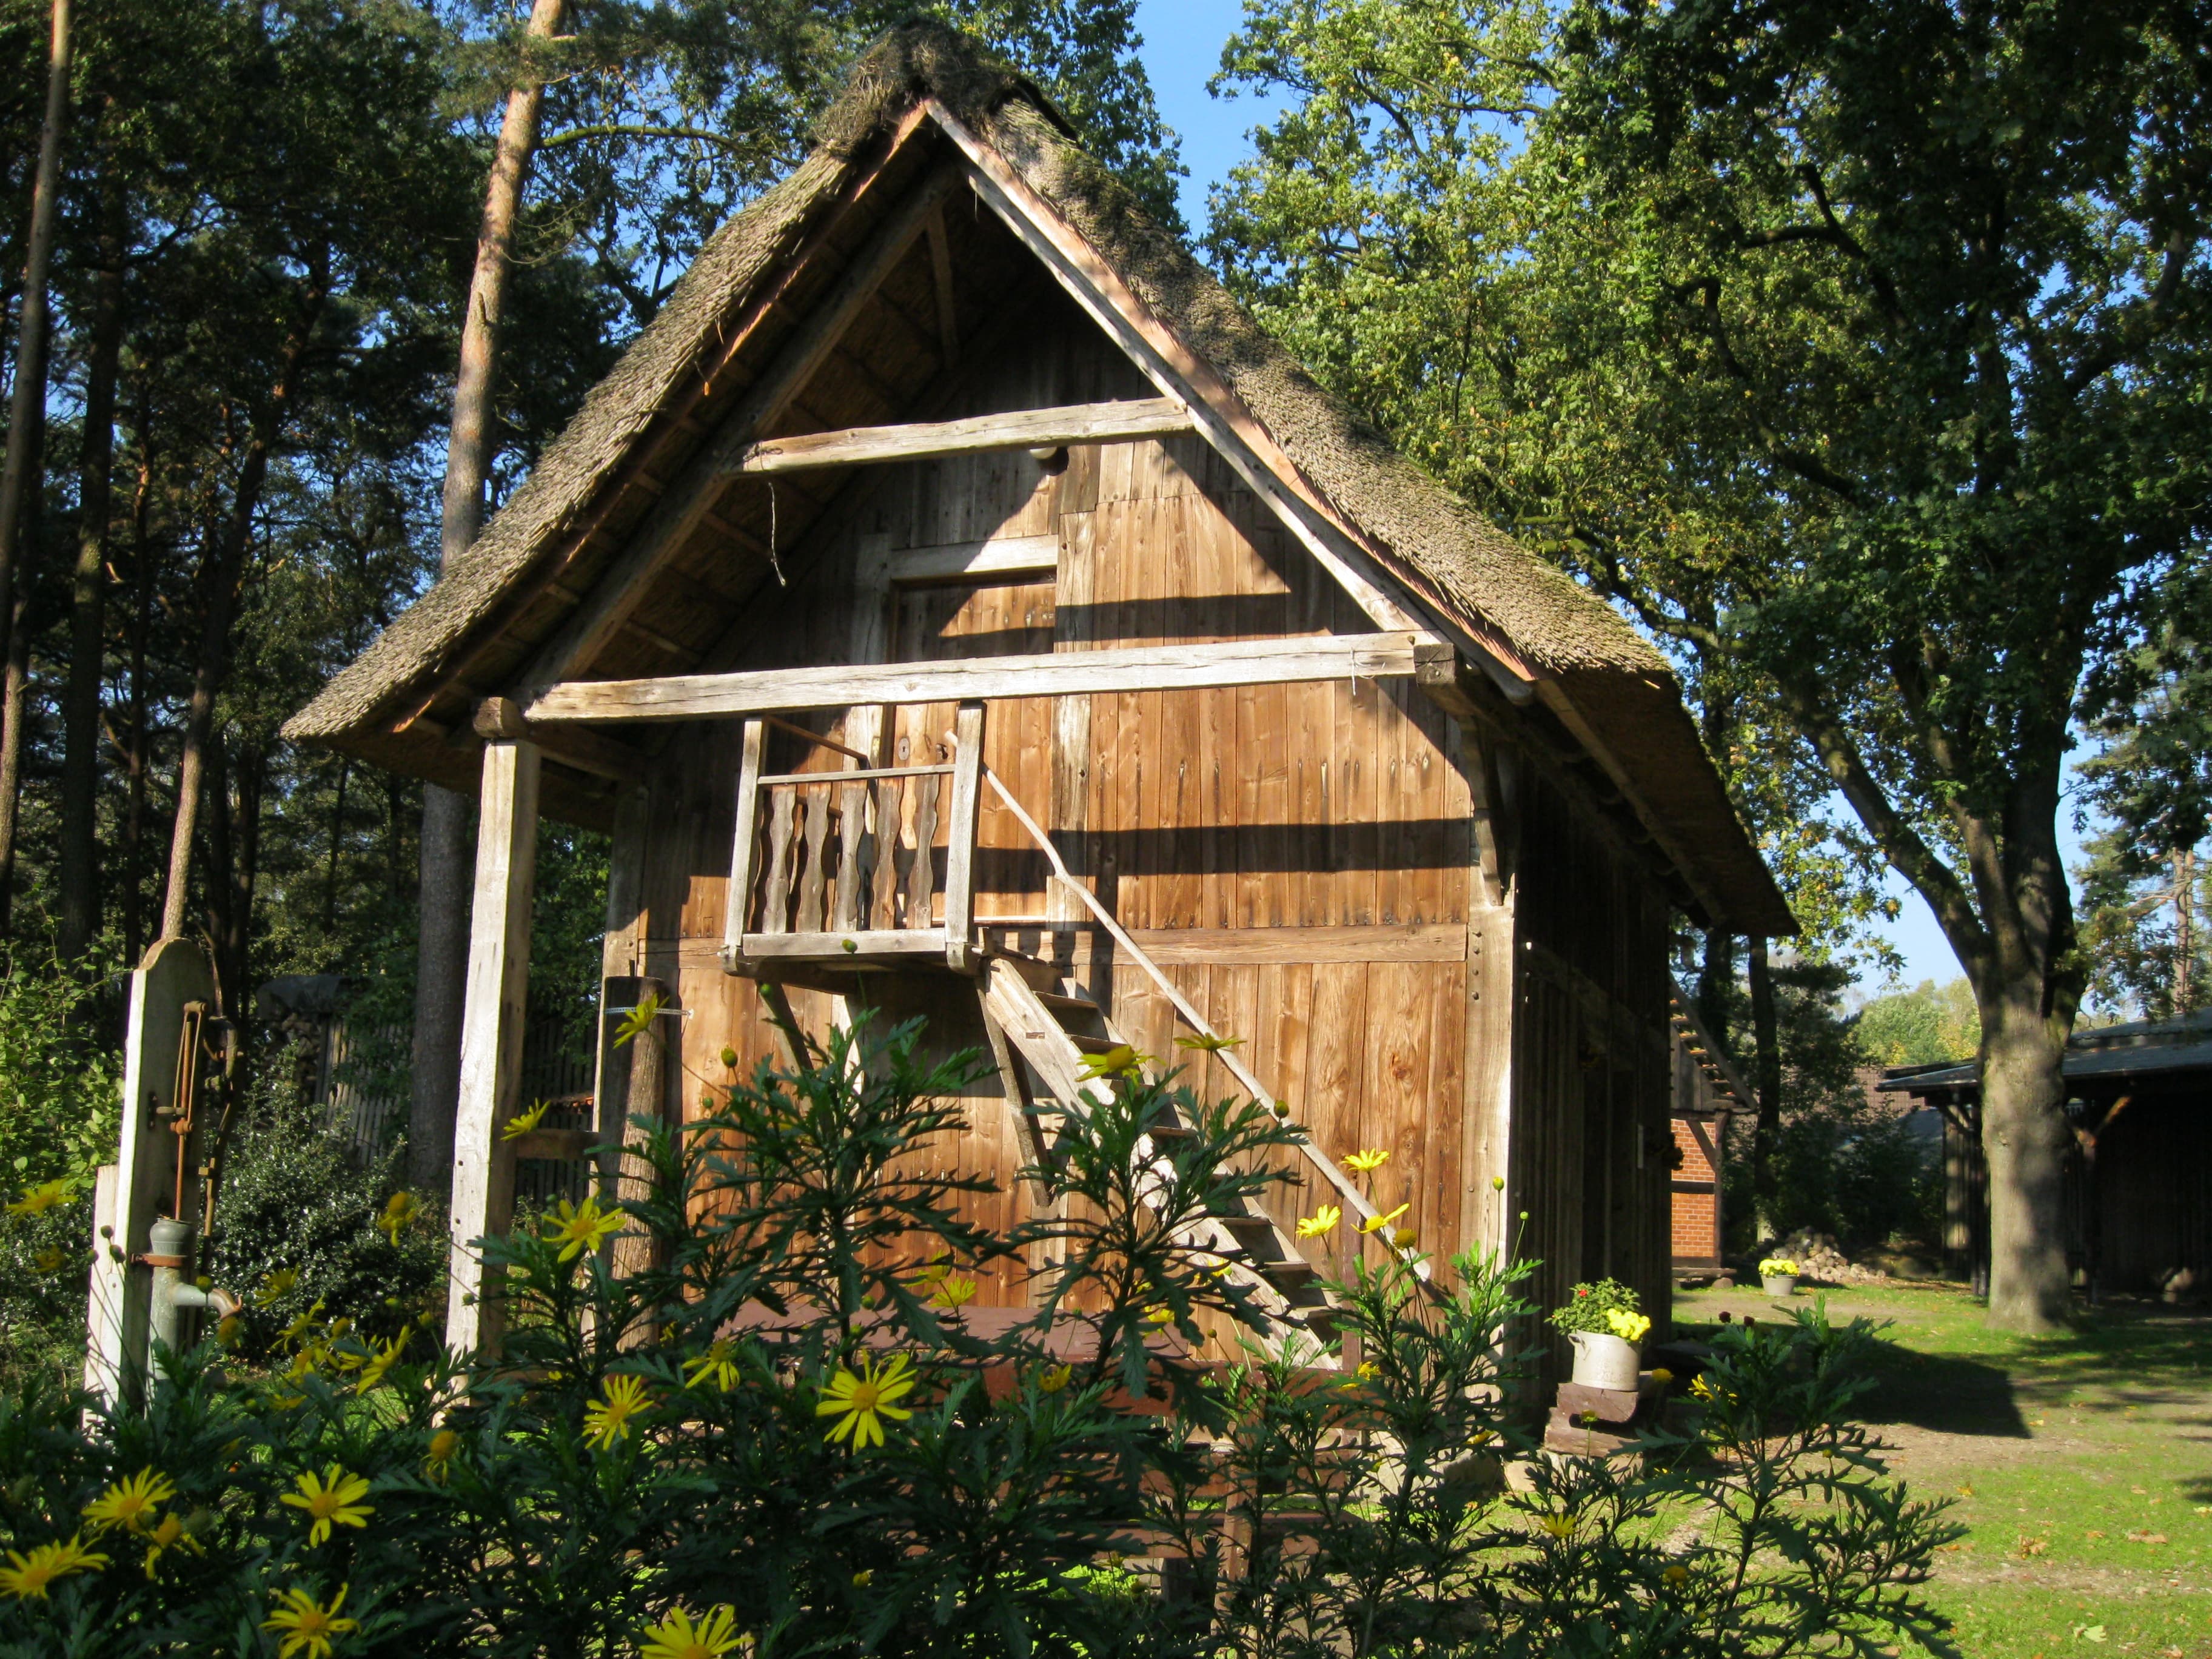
(952, 603)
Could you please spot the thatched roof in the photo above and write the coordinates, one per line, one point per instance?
(1616, 687)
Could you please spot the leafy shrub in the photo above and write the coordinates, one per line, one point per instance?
(294, 1204)
(61, 1102)
(777, 1429)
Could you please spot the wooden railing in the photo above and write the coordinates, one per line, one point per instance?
(845, 861)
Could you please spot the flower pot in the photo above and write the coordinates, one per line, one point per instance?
(1778, 1284)
(1602, 1361)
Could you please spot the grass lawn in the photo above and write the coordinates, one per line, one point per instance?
(2082, 1465)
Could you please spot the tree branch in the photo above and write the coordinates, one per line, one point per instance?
(2138, 322)
(1900, 843)
(1807, 466)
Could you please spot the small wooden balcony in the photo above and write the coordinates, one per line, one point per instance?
(840, 866)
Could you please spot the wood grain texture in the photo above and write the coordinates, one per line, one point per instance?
(923, 441)
(491, 1035)
(1185, 667)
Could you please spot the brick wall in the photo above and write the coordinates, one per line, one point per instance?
(1697, 1225)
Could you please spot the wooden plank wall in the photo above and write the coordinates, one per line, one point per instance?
(1590, 1043)
(1395, 996)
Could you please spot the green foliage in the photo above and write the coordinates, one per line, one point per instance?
(61, 1102)
(1924, 1026)
(685, 1432)
(2150, 782)
(1843, 1164)
(295, 1203)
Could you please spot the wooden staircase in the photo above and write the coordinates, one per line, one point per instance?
(1041, 1026)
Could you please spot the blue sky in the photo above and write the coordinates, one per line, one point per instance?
(1182, 52)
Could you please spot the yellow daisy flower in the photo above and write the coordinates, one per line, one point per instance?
(385, 1357)
(1376, 1224)
(168, 1535)
(308, 1626)
(399, 1210)
(332, 1499)
(861, 1400)
(522, 1122)
(46, 1195)
(635, 1023)
(1120, 1060)
(276, 1286)
(1322, 1223)
(49, 1260)
(607, 1420)
(129, 1504)
(676, 1637)
(27, 1576)
(1208, 1045)
(1561, 1526)
(438, 1461)
(581, 1228)
(954, 1292)
(1056, 1378)
(1366, 1163)
(1405, 1238)
(719, 1362)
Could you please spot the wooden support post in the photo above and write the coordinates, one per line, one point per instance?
(960, 842)
(634, 1078)
(141, 1183)
(491, 1035)
(738, 900)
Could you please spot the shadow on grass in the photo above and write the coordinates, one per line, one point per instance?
(1943, 1393)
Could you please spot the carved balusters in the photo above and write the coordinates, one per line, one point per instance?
(851, 914)
(776, 908)
(921, 873)
(886, 835)
(814, 877)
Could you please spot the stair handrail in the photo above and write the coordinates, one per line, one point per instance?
(1322, 1161)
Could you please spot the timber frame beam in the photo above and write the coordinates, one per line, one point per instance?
(924, 440)
(1059, 674)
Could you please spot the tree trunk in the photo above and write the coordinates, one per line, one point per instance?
(142, 615)
(2185, 932)
(2023, 1139)
(1716, 987)
(27, 404)
(441, 963)
(79, 855)
(14, 696)
(1766, 1079)
(337, 841)
(220, 575)
(442, 943)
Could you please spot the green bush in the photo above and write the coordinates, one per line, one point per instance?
(774, 1429)
(61, 1102)
(295, 1208)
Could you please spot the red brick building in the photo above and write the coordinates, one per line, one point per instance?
(1707, 1091)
